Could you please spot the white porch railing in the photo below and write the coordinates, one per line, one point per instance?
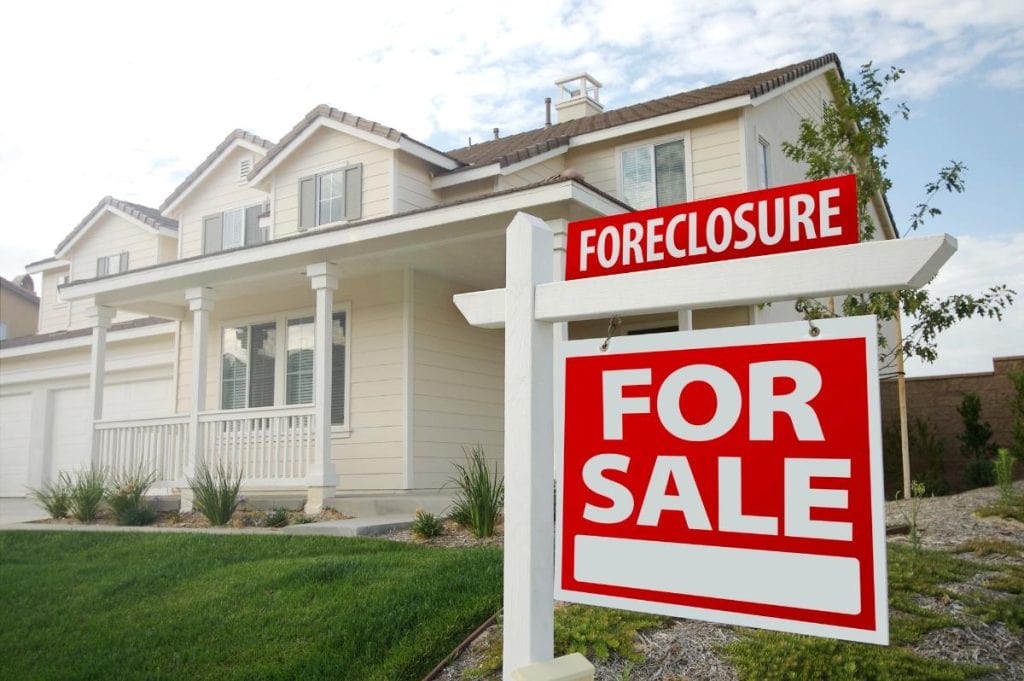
(159, 445)
(271, 445)
(267, 444)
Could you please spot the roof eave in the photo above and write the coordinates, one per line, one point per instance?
(169, 207)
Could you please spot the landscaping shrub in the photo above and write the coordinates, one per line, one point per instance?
(127, 497)
(1004, 465)
(481, 493)
(55, 497)
(87, 493)
(216, 493)
(427, 525)
(927, 456)
(276, 518)
(974, 443)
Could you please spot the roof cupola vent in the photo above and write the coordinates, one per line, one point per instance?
(578, 96)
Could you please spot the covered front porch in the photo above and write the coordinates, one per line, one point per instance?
(328, 363)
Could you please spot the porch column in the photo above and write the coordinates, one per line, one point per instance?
(322, 480)
(200, 302)
(99, 319)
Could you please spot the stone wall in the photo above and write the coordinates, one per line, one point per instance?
(935, 400)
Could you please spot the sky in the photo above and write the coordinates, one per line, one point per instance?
(126, 98)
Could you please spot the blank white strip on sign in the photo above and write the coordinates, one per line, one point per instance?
(796, 580)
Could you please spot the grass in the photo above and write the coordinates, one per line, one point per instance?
(479, 495)
(171, 606)
(216, 493)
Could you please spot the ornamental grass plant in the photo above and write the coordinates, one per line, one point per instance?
(87, 494)
(480, 493)
(126, 497)
(216, 493)
(55, 497)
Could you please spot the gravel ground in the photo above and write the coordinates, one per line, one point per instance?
(687, 650)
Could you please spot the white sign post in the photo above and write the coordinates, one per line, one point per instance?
(531, 303)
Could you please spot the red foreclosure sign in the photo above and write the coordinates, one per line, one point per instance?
(731, 475)
(794, 217)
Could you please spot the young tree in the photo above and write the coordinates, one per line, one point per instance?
(851, 137)
(975, 443)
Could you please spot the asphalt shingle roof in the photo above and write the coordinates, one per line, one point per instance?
(518, 147)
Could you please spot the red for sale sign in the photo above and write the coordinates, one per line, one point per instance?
(730, 475)
(793, 217)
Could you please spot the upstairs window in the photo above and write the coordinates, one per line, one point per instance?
(654, 174)
(331, 197)
(764, 171)
(111, 264)
(233, 229)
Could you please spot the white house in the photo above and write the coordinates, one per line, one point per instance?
(288, 308)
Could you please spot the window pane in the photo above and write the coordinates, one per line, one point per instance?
(762, 163)
(234, 367)
(331, 202)
(234, 228)
(670, 171)
(637, 177)
(299, 386)
(339, 332)
(261, 363)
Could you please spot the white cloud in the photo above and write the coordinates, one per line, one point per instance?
(980, 263)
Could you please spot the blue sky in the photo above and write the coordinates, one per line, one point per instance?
(126, 98)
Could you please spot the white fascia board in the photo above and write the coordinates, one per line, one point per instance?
(114, 336)
(203, 270)
(431, 156)
(868, 266)
(783, 89)
(47, 266)
(212, 167)
(464, 176)
(659, 121)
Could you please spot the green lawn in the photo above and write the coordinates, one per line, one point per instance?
(77, 605)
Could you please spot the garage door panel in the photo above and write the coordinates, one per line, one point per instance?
(15, 426)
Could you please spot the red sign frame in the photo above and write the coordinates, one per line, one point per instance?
(767, 523)
(783, 219)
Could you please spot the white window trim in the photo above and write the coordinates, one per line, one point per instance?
(316, 174)
(764, 152)
(652, 142)
(281, 357)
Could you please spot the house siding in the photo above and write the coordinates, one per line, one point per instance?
(223, 189)
(412, 189)
(458, 384)
(53, 312)
(326, 150)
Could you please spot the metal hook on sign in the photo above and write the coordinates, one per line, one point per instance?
(813, 330)
(613, 324)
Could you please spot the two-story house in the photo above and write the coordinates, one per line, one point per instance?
(287, 310)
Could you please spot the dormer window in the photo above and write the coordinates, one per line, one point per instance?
(233, 229)
(331, 197)
(111, 264)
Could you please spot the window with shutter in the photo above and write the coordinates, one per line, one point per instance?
(233, 229)
(213, 227)
(653, 174)
(112, 264)
(331, 197)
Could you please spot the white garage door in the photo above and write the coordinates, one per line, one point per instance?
(15, 415)
(70, 430)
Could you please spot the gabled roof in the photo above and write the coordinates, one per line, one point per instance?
(237, 135)
(521, 146)
(19, 291)
(144, 215)
(363, 127)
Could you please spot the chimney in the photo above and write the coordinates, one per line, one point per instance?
(578, 96)
(547, 112)
(496, 135)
